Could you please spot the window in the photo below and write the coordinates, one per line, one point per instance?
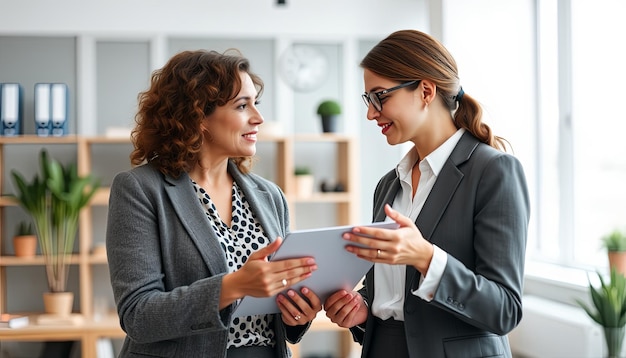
(583, 175)
(550, 75)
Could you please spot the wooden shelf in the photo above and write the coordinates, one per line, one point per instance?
(34, 139)
(31, 261)
(89, 331)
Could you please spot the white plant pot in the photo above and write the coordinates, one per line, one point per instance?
(304, 185)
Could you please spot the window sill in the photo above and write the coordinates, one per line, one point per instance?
(556, 282)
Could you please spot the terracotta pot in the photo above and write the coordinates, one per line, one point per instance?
(617, 259)
(25, 245)
(58, 303)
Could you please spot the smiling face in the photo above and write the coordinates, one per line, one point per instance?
(232, 129)
(402, 115)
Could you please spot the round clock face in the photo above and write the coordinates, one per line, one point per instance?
(303, 67)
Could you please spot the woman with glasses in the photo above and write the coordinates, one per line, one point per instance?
(448, 282)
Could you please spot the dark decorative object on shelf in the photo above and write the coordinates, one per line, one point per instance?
(329, 112)
(61, 349)
(328, 186)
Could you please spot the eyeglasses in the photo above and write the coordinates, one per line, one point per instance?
(375, 97)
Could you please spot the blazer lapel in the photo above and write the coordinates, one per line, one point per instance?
(260, 201)
(441, 194)
(390, 195)
(445, 186)
(193, 218)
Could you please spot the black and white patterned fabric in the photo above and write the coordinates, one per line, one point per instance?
(244, 237)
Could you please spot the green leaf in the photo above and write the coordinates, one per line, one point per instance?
(609, 300)
(54, 200)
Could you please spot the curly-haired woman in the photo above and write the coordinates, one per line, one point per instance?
(190, 227)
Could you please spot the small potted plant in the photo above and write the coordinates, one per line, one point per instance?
(304, 181)
(609, 310)
(25, 240)
(615, 244)
(329, 111)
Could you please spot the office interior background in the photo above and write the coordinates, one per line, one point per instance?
(549, 74)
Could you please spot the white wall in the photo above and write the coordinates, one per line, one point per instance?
(250, 18)
(357, 25)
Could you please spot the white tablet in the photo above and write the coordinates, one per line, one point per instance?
(336, 268)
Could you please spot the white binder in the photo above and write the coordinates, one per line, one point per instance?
(42, 109)
(51, 109)
(10, 109)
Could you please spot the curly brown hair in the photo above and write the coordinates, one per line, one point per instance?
(183, 93)
(408, 55)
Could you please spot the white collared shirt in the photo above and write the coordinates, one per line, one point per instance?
(390, 279)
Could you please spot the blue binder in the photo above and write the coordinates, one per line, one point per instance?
(11, 109)
(51, 109)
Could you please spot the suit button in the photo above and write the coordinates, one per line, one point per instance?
(461, 307)
(449, 300)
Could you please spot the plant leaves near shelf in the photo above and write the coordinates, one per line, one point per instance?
(54, 201)
(24, 228)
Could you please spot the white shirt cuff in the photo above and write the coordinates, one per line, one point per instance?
(428, 285)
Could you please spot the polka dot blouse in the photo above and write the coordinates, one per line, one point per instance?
(244, 237)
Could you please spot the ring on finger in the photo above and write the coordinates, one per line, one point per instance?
(284, 282)
(378, 253)
(297, 317)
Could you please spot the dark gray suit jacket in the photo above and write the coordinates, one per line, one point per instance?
(166, 264)
(478, 212)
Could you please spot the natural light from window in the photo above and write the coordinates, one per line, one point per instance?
(550, 75)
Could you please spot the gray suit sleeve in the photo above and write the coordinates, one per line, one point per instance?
(488, 295)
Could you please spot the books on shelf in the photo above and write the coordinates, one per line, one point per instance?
(8, 320)
(54, 319)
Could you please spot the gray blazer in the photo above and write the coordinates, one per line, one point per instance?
(478, 212)
(166, 264)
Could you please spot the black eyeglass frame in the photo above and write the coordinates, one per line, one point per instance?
(377, 102)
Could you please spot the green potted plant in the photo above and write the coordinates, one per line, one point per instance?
(329, 111)
(302, 170)
(609, 310)
(615, 244)
(54, 199)
(304, 181)
(25, 240)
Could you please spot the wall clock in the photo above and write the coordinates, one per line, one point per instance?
(303, 67)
